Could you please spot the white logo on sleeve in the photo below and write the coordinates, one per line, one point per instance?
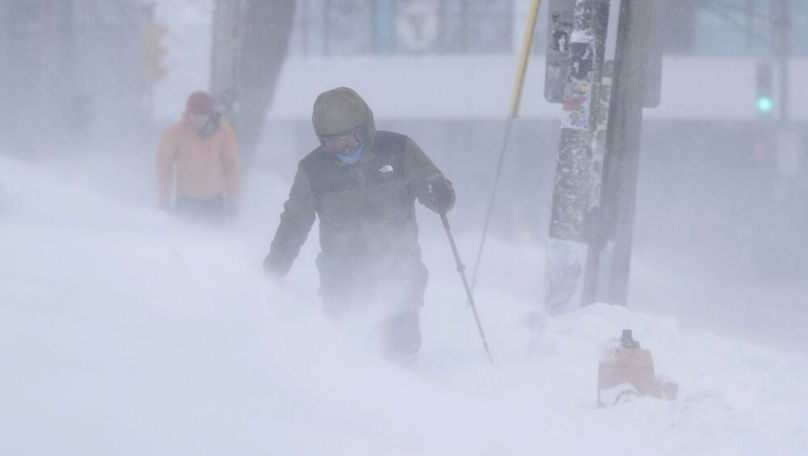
(386, 169)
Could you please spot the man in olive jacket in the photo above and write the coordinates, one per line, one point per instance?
(362, 184)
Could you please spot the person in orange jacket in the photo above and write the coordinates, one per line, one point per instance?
(200, 154)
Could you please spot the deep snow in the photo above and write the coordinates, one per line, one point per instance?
(123, 331)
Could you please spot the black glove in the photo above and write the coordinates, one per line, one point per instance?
(439, 196)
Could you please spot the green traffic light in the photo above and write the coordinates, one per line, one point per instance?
(764, 105)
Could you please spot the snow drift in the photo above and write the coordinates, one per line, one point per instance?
(123, 331)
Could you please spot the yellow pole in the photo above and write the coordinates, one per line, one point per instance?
(527, 39)
(514, 112)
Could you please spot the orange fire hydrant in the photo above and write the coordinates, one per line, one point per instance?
(627, 371)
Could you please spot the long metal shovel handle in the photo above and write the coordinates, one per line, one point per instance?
(461, 270)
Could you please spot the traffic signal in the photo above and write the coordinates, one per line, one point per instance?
(764, 103)
(153, 52)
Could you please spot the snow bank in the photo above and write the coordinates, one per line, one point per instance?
(125, 332)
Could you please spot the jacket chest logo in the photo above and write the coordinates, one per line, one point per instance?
(386, 169)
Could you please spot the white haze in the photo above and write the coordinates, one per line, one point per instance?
(124, 331)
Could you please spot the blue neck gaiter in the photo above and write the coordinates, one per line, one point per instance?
(352, 159)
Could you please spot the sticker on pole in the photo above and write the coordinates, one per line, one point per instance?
(578, 86)
(559, 27)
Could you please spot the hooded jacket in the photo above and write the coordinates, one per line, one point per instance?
(207, 165)
(366, 209)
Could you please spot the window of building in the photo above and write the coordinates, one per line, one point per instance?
(357, 27)
(731, 27)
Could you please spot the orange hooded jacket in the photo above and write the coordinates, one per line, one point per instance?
(206, 166)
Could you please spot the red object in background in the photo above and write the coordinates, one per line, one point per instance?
(627, 371)
(199, 102)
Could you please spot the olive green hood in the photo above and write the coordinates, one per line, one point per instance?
(339, 110)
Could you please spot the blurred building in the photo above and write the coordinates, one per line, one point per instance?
(355, 27)
(732, 27)
(71, 68)
(407, 27)
(714, 174)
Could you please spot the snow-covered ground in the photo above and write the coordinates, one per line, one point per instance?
(125, 332)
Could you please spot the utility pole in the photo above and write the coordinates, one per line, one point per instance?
(781, 44)
(632, 70)
(577, 175)
(787, 141)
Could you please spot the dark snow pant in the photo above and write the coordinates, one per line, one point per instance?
(207, 211)
(398, 285)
